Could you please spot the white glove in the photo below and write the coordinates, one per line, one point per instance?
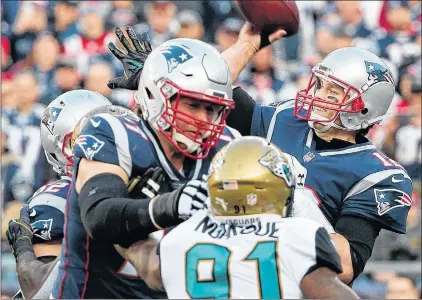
(193, 198)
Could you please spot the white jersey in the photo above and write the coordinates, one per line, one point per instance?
(266, 258)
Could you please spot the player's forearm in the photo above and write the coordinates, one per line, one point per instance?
(335, 289)
(143, 256)
(110, 216)
(32, 273)
(237, 57)
(323, 283)
(343, 249)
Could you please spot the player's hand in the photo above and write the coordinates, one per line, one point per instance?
(193, 197)
(257, 39)
(146, 186)
(132, 61)
(19, 232)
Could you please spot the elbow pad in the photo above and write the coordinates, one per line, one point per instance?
(96, 190)
(110, 216)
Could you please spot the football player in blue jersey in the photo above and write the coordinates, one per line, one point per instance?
(342, 180)
(37, 235)
(42, 219)
(358, 189)
(184, 97)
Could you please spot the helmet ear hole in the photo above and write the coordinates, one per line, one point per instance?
(150, 96)
(364, 111)
(54, 156)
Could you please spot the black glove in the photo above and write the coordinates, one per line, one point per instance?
(265, 41)
(148, 185)
(20, 233)
(132, 62)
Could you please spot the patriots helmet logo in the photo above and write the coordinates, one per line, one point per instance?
(50, 117)
(388, 199)
(89, 144)
(42, 229)
(175, 55)
(377, 73)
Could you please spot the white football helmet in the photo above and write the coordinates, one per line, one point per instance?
(368, 84)
(185, 68)
(58, 123)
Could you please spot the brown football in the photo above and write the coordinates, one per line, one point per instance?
(269, 15)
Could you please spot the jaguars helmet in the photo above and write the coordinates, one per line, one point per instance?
(250, 176)
(58, 123)
(368, 84)
(185, 68)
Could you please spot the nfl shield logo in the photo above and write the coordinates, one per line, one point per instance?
(251, 199)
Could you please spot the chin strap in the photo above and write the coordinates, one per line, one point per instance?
(191, 146)
(326, 126)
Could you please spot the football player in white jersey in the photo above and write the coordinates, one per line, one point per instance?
(244, 247)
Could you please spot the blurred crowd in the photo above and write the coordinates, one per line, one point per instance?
(50, 47)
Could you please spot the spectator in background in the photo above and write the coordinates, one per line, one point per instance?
(9, 12)
(399, 44)
(227, 33)
(262, 81)
(66, 77)
(350, 13)
(31, 20)
(401, 288)
(9, 166)
(65, 19)
(189, 25)
(403, 133)
(6, 61)
(160, 16)
(24, 139)
(94, 38)
(408, 136)
(45, 54)
(121, 15)
(325, 39)
(385, 285)
(334, 33)
(8, 95)
(97, 77)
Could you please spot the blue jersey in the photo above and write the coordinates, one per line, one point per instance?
(91, 268)
(8, 171)
(48, 210)
(24, 142)
(357, 180)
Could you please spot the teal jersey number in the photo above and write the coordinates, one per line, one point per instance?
(264, 254)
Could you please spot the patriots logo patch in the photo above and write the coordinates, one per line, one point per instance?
(377, 73)
(388, 199)
(89, 144)
(175, 55)
(50, 117)
(42, 229)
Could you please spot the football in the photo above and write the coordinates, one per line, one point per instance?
(270, 15)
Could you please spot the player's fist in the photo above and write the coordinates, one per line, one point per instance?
(132, 61)
(257, 39)
(193, 197)
(19, 232)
